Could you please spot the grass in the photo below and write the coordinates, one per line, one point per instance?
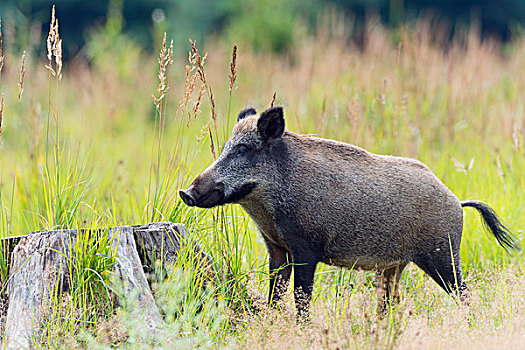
(114, 158)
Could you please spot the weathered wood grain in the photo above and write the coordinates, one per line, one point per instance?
(38, 273)
(134, 292)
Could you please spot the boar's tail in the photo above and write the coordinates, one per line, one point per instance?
(491, 221)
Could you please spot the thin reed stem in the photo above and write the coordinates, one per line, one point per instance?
(165, 61)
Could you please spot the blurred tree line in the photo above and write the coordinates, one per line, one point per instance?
(265, 24)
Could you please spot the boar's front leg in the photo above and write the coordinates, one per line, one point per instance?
(304, 270)
(280, 270)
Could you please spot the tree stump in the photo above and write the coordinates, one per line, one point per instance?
(37, 267)
(38, 273)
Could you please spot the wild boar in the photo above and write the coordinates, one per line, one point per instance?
(317, 200)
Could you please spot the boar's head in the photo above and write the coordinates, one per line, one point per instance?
(247, 163)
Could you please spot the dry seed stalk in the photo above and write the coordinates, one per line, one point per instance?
(198, 61)
(51, 37)
(54, 47)
(184, 99)
(1, 112)
(57, 51)
(189, 86)
(22, 73)
(204, 132)
(196, 110)
(214, 118)
(1, 57)
(165, 60)
(233, 64)
(211, 143)
(213, 113)
(189, 69)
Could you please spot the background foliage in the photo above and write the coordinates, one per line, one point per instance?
(266, 24)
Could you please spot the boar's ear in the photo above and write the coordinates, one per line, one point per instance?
(245, 113)
(271, 124)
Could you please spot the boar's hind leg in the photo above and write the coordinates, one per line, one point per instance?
(280, 270)
(388, 286)
(445, 272)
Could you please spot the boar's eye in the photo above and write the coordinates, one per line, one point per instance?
(241, 150)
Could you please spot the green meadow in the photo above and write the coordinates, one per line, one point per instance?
(103, 145)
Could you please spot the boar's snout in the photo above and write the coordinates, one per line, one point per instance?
(187, 197)
(203, 194)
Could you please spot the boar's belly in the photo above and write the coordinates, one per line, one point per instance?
(360, 263)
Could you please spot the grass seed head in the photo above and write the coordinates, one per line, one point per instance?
(22, 73)
(165, 60)
(195, 110)
(54, 47)
(233, 64)
(211, 143)
(51, 36)
(194, 71)
(188, 88)
(58, 58)
(213, 110)
(198, 60)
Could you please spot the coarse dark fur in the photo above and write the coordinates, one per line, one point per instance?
(316, 200)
